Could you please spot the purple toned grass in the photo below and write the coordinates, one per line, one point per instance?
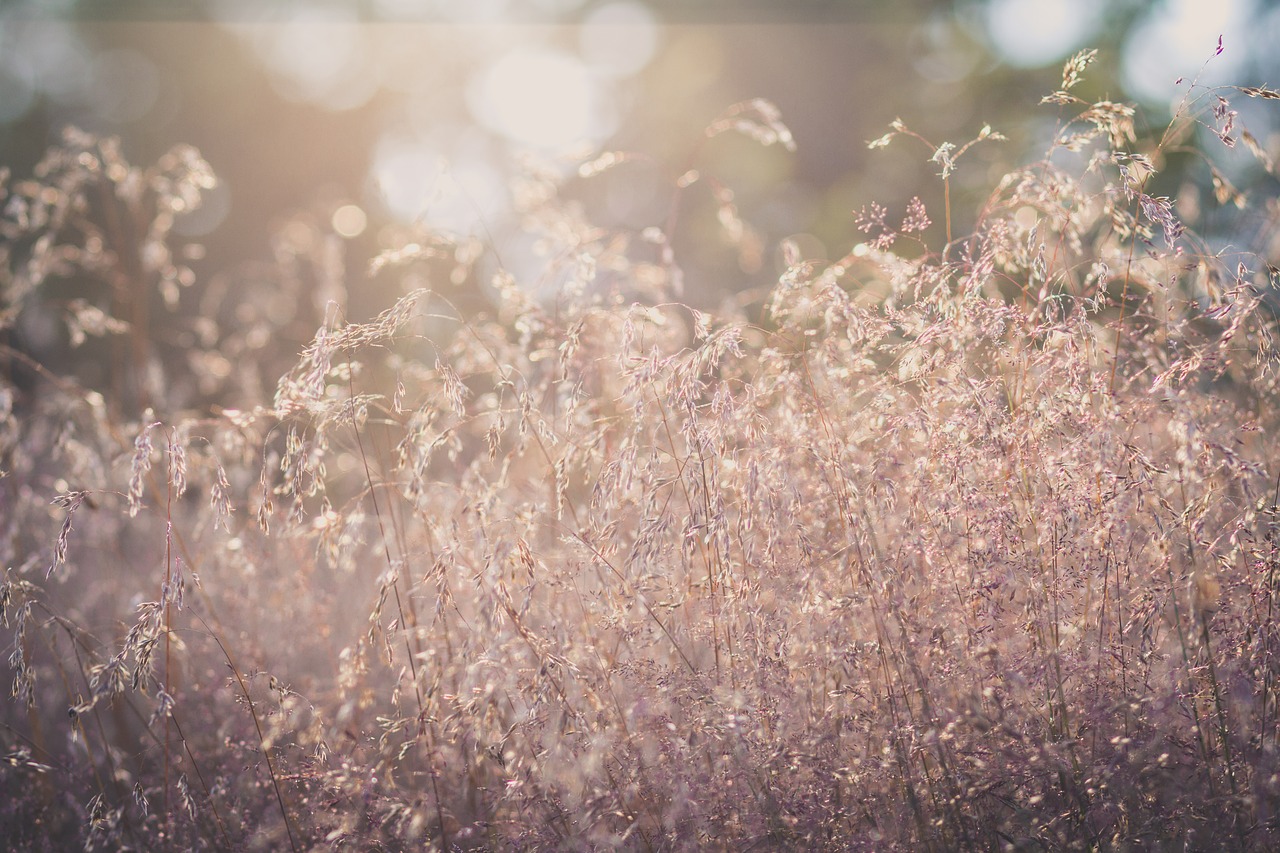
(957, 542)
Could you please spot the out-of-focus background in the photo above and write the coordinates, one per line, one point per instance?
(375, 114)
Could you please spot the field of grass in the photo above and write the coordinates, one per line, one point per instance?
(963, 541)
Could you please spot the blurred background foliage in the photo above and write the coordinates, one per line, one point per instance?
(370, 118)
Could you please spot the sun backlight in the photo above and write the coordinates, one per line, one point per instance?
(537, 97)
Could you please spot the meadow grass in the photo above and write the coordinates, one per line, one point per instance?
(961, 541)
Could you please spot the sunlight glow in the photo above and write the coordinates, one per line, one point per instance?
(349, 221)
(1177, 38)
(537, 97)
(319, 55)
(1032, 33)
(416, 182)
(618, 38)
(406, 174)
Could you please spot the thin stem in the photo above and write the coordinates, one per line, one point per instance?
(262, 738)
(168, 621)
(946, 204)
